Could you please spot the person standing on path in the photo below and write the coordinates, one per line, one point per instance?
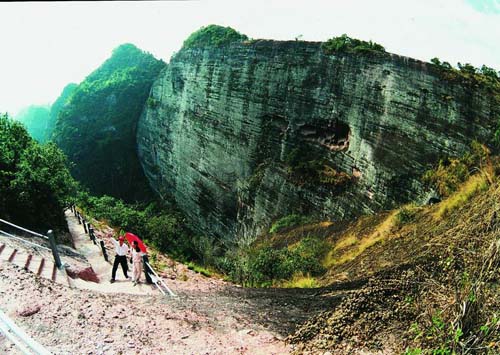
(136, 262)
(121, 250)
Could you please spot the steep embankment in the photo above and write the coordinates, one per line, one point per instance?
(430, 273)
(244, 133)
(97, 128)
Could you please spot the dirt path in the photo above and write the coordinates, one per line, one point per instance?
(209, 316)
(102, 268)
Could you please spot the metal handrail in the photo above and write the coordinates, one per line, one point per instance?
(23, 229)
(161, 281)
(20, 338)
(24, 241)
(50, 237)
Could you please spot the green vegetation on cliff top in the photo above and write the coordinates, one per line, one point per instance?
(97, 127)
(213, 35)
(467, 75)
(346, 44)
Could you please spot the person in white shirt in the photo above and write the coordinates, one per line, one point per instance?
(121, 250)
(136, 262)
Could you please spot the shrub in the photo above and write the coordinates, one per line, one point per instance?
(265, 265)
(452, 172)
(330, 176)
(304, 167)
(441, 65)
(474, 184)
(405, 215)
(199, 269)
(301, 281)
(346, 44)
(289, 221)
(213, 35)
(161, 226)
(206, 249)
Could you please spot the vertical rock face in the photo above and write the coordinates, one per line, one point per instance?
(232, 133)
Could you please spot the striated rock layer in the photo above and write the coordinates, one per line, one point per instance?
(226, 129)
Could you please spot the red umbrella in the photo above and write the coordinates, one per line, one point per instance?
(132, 237)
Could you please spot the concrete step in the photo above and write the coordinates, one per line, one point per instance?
(34, 265)
(19, 258)
(7, 251)
(41, 264)
(28, 261)
(12, 256)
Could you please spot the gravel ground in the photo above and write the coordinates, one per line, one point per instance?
(209, 316)
(231, 320)
(73, 321)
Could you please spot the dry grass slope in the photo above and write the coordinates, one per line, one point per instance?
(432, 280)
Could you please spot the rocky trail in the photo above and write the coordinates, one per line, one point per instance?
(208, 316)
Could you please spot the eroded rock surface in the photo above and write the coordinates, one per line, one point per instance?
(233, 133)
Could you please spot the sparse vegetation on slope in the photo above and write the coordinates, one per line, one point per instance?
(432, 285)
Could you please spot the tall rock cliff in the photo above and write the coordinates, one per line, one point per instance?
(245, 133)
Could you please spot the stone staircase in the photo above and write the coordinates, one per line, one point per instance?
(38, 262)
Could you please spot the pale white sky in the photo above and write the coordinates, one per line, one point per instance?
(45, 46)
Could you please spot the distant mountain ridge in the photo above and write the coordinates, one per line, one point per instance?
(36, 119)
(40, 120)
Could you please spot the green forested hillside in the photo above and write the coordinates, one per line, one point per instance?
(35, 183)
(57, 106)
(97, 128)
(35, 119)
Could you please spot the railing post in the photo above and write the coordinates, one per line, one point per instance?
(79, 218)
(92, 237)
(53, 246)
(104, 252)
(145, 262)
(74, 211)
(85, 226)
